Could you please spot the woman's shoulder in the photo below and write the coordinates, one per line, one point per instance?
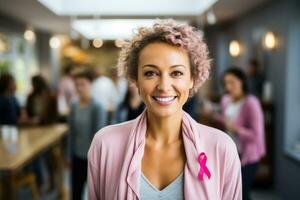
(213, 134)
(252, 103)
(110, 143)
(251, 99)
(216, 139)
(113, 135)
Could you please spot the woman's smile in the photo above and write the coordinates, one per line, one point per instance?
(164, 100)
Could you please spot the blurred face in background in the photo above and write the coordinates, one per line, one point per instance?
(164, 78)
(233, 86)
(83, 87)
(12, 86)
(7, 85)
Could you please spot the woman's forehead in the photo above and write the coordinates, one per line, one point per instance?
(163, 54)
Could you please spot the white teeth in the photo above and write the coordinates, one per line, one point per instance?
(164, 99)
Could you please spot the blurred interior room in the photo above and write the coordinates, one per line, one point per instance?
(45, 44)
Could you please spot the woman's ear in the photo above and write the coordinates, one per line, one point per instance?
(191, 86)
(191, 83)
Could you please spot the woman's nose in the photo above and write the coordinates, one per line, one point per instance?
(164, 83)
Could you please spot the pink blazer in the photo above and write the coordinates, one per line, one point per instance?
(250, 124)
(114, 162)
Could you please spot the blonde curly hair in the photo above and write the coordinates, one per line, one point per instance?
(173, 33)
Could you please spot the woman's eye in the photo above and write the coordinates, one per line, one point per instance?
(150, 73)
(177, 73)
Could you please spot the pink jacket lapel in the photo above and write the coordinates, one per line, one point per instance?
(131, 169)
(193, 187)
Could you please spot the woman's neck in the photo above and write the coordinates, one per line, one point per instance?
(238, 98)
(164, 130)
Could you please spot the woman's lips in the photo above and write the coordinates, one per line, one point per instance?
(166, 100)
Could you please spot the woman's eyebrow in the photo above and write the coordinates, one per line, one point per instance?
(149, 65)
(154, 66)
(174, 66)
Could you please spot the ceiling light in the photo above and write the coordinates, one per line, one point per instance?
(119, 43)
(234, 48)
(54, 42)
(128, 7)
(97, 43)
(270, 40)
(211, 17)
(110, 29)
(29, 35)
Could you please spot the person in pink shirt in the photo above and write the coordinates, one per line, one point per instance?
(164, 153)
(66, 87)
(242, 116)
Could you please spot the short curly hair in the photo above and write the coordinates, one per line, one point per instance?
(173, 33)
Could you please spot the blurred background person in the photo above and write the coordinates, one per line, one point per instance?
(9, 106)
(255, 78)
(66, 90)
(41, 109)
(87, 116)
(105, 92)
(41, 104)
(121, 85)
(131, 107)
(243, 119)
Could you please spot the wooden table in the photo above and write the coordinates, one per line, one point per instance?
(32, 141)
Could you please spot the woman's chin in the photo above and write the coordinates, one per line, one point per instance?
(163, 113)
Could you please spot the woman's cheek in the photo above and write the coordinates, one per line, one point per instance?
(183, 86)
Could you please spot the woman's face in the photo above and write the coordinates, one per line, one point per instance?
(164, 78)
(233, 86)
(83, 87)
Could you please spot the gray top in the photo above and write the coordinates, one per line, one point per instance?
(174, 191)
(84, 123)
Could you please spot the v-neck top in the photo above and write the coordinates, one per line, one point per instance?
(173, 191)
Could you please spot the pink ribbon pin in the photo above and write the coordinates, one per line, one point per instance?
(203, 168)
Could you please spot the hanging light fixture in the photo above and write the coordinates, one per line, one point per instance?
(97, 43)
(211, 17)
(234, 48)
(29, 35)
(269, 40)
(54, 42)
(119, 43)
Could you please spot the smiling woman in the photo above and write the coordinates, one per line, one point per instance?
(164, 153)
(164, 79)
